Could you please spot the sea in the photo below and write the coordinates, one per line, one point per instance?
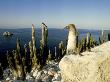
(54, 37)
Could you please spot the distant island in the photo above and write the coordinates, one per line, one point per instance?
(7, 33)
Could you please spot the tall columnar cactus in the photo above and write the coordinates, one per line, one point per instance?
(82, 45)
(31, 49)
(92, 42)
(99, 41)
(19, 61)
(88, 42)
(33, 41)
(1, 71)
(55, 52)
(77, 39)
(25, 50)
(62, 49)
(43, 44)
(16, 62)
(44, 34)
(87, 38)
(18, 49)
(11, 62)
(78, 46)
(27, 61)
(108, 36)
(32, 46)
(49, 57)
(24, 61)
(102, 36)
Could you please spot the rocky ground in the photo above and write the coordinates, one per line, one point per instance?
(49, 73)
(92, 66)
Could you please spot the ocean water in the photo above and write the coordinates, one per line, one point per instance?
(54, 37)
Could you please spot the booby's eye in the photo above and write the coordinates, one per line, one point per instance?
(67, 27)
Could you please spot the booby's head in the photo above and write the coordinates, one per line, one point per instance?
(71, 27)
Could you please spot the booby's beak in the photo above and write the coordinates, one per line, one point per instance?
(67, 27)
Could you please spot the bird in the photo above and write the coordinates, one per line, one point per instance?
(71, 43)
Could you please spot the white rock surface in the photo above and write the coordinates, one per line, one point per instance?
(49, 71)
(94, 66)
(57, 77)
(7, 79)
(35, 73)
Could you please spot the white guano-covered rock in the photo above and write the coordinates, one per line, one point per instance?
(94, 66)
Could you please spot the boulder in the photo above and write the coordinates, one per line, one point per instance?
(7, 33)
(93, 66)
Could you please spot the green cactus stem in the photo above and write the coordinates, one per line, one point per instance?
(55, 52)
(49, 57)
(1, 71)
(32, 47)
(108, 36)
(77, 39)
(43, 44)
(62, 50)
(88, 42)
(27, 65)
(102, 36)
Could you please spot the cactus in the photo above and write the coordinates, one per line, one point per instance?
(18, 50)
(62, 49)
(31, 50)
(77, 39)
(1, 71)
(55, 52)
(88, 41)
(101, 39)
(78, 46)
(32, 47)
(20, 64)
(15, 62)
(108, 36)
(49, 57)
(41, 51)
(43, 44)
(102, 34)
(19, 61)
(82, 46)
(44, 34)
(92, 42)
(34, 41)
(11, 64)
(27, 61)
(25, 50)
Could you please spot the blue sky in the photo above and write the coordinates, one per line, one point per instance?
(93, 14)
